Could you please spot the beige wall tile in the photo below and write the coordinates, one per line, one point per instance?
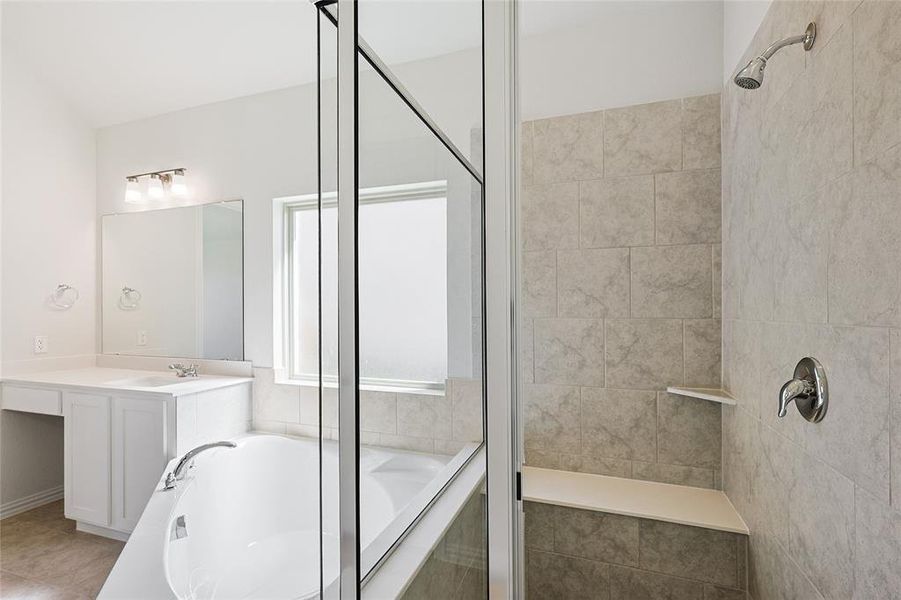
(424, 416)
(596, 535)
(539, 525)
(774, 574)
(593, 283)
(717, 281)
(466, 395)
(672, 282)
(688, 207)
(554, 576)
(702, 554)
(688, 431)
(552, 417)
(701, 132)
(569, 351)
(619, 424)
(643, 139)
(702, 352)
(877, 78)
(568, 148)
(597, 465)
(378, 412)
(525, 140)
(617, 212)
(644, 354)
(895, 393)
(539, 284)
(633, 583)
(877, 554)
(550, 216)
(676, 474)
(865, 222)
(526, 351)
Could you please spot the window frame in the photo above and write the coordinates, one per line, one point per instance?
(426, 190)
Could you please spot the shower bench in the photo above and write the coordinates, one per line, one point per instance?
(598, 536)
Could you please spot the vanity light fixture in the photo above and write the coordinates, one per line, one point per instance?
(158, 182)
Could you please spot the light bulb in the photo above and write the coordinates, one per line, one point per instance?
(132, 191)
(155, 187)
(179, 184)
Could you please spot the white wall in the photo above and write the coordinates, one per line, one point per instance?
(741, 18)
(636, 52)
(48, 236)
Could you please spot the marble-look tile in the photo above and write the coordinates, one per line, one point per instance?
(536, 457)
(553, 576)
(821, 526)
(617, 212)
(715, 592)
(378, 412)
(593, 283)
(854, 437)
(569, 351)
(526, 153)
(274, 402)
(895, 392)
(633, 584)
(646, 138)
(771, 478)
(675, 474)
(539, 525)
(672, 282)
(773, 573)
(702, 554)
(717, 281)
(688, 431)
(552, 417)
(596, 535)
(539, 284)
(424, 416)
(802, 238)
(877, 555)
(865, 222)
(598, 465)
(688, 207)
(702, 352)
(550, 216)
(568, 148)
(644, 354)
(701, 132)
(877, 79)
(526, 343)
(466, 399)
(619, 424)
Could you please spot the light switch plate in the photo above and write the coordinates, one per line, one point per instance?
(141, 338)
(41, 344)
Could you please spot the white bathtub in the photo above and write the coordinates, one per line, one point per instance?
(252, 520)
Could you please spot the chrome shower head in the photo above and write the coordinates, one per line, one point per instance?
(751, 76)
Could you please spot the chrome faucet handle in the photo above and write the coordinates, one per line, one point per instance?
(183, 371)
(809, 390)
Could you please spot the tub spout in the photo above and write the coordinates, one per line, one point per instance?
(175, 475)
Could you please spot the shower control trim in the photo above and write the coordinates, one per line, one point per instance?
(808, 389)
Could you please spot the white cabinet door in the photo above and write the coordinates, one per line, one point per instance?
(140, 454)
(87, 452)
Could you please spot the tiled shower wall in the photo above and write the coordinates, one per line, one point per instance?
(812, 267)
(620, 286)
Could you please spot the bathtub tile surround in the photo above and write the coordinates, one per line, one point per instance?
(621, 275)
(441, 423)
(816, 152)
(574, 553)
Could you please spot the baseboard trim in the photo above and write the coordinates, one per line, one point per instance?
(14, 507)
(106, 532)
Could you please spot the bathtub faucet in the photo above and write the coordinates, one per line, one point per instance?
(175, 475)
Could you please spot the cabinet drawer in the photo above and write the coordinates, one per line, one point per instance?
(33, 400)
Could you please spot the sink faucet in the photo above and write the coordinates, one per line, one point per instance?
(175, 475)
(183, 371)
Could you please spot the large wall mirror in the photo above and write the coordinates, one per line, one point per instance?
(173, 282)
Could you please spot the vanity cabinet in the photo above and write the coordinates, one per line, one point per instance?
(87, 455)
(117, 442)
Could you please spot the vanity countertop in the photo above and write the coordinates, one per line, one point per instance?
(127, 380)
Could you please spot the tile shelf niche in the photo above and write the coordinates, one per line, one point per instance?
(711, 394)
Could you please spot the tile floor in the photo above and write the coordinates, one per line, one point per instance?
(43, 557)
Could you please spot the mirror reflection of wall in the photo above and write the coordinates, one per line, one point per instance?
(173, 282)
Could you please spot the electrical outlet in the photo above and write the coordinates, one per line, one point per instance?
(142, 338)
(41, 344)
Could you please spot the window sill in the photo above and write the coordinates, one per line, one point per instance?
(283, 379)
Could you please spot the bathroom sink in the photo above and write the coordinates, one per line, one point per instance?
(148, 381)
